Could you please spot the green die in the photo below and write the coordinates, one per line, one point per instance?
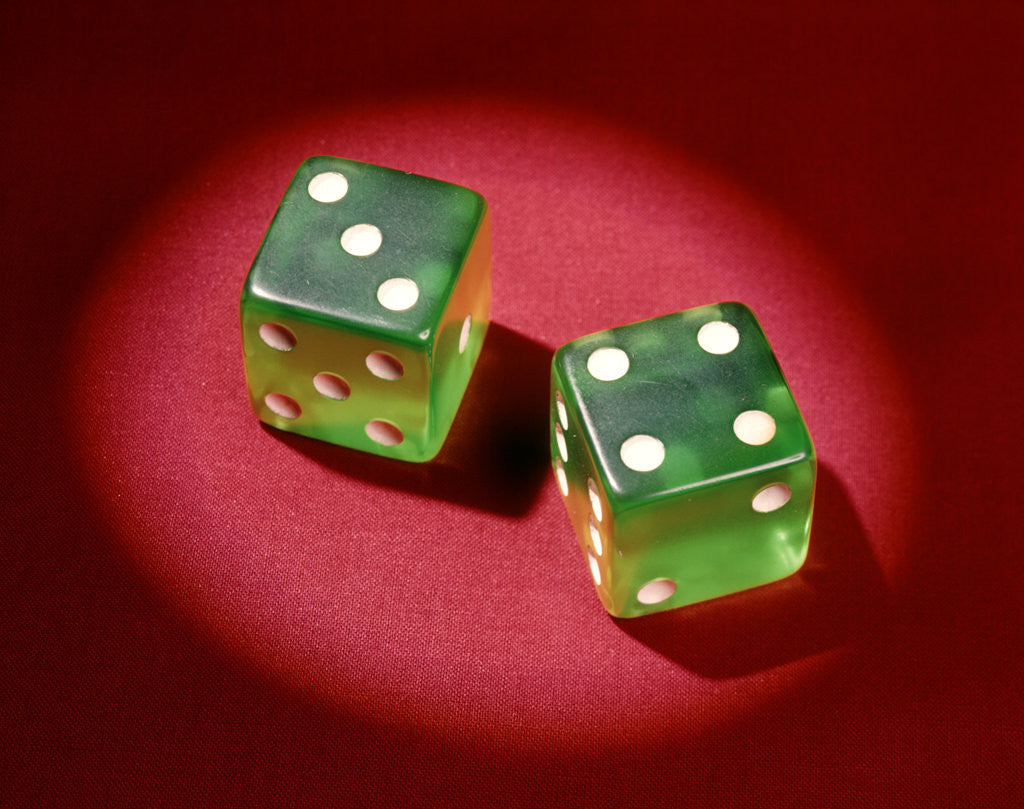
(366, 307)
(686, 468)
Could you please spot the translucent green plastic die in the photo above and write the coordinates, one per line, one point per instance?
(685, 466)
(366, 307)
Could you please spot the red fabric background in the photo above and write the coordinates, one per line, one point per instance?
(201, 611)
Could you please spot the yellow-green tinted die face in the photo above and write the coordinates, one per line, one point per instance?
(366, 307)
(682, 458)
(584, 496)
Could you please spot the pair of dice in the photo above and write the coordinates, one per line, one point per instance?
(685, 466)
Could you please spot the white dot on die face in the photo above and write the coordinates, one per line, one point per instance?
(771, 498)
(754, 427)
(284, 406)
(654, 592)
(595, 499)
(718, 337)
(398, 294)
(361, 240)
(563, 414)
(642, 453)
(563, 481)
(384, 366)
(563, 450)
(328, 186)
(277, 336)
(467, 324)
(595, 568)
(384, 433)
(595, 536)
(332, 386)
(607, 364)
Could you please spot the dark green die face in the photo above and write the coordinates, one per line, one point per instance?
(366, 307)
(689, 434)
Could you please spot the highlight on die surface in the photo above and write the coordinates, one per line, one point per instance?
(365, 309)
(685, 466)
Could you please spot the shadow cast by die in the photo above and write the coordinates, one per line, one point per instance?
(496, 453)
(837, 597)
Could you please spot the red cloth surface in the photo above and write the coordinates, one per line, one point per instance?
(200, 610)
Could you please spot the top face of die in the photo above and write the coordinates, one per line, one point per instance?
(681, 402)
(376, 248)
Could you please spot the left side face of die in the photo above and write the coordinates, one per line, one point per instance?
(366, 307)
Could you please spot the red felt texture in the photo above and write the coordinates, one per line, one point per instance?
(202, 610)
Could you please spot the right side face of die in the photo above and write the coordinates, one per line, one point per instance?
(685, 466)
(366, 307)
